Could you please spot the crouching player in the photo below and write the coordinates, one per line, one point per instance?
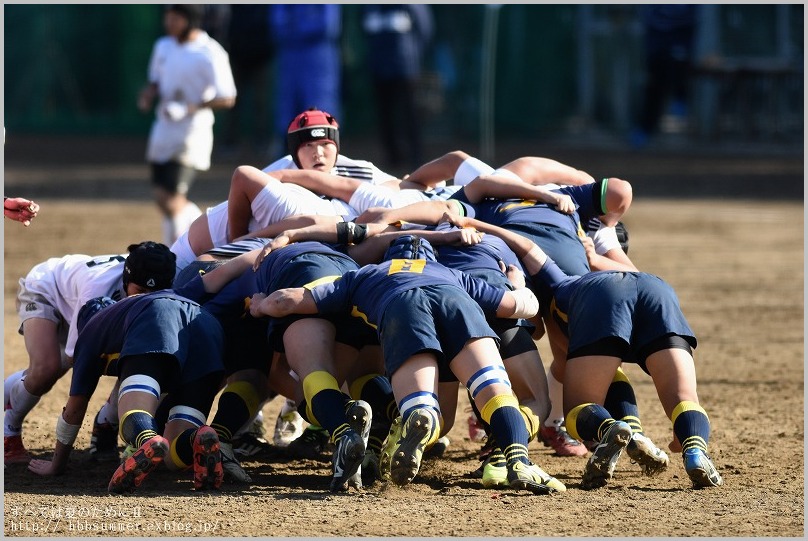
(430, 318)
(611, 317)
(153, 343)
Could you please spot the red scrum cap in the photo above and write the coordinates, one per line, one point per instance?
(311, 125)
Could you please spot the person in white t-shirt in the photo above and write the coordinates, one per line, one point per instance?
(48, 302)
(189, 75)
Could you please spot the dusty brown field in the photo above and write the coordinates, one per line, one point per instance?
(738, 269)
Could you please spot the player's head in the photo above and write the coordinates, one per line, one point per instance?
(181, 19)
(410, 247)
(91, 308)
(311, 125)
(150, 266)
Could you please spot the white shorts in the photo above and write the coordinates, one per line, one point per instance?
(217, 224)
(182, 249)
(33, 304)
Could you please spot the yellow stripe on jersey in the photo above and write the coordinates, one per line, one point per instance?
(407, 265)
(355, 312)
(523, 203)
(108, 358)
(554, 309)
(323, 280)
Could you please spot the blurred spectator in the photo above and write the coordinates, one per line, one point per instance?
(669, 39)
(397, 36)
(189, 74)
(306, 38)
(250, 48)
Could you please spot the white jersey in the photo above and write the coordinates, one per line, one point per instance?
(345, 167)
(192, 72)
(67, 283)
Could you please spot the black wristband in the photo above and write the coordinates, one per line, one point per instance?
(360, 233)
(342, 233)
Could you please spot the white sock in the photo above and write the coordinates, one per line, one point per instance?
(109, 411)
(169, 231)
(9, 382)
(21, 402)
(186, 217)
(556, 388)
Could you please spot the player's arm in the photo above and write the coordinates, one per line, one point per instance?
(373, 249)
(504, 187)
(423, 212)
(319, 182)
(531, 255)
(216, 104)
(519, 303)
(432, 173)
(539, 171)
(146, 97)
(283, 302)
(292, 222)
(68, 425)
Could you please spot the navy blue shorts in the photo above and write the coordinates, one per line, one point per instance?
(439, 319)
(190, 334)
(633, 306)
(307, 269)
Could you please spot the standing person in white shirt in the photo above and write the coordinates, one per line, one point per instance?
(48, 303)
(190, 76)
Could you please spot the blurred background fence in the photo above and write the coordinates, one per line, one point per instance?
(493, 72)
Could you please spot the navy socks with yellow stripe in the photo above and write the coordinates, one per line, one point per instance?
(376, 390)
(508, 427)
(621, 402)
(137, 426)
(691, 426)
(182, 449)
(588, 422)
(326, 403)
(238, 403)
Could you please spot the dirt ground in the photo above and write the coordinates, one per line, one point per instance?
(737, 266)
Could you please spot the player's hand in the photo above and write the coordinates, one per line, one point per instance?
(589, 248)
(265, 251)
(20, 209)
(565, 204)
(454, 219)
(515, 276)
(255, 304)
(43, 467)
(467, 236)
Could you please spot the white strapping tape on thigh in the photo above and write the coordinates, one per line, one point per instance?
(140, 383)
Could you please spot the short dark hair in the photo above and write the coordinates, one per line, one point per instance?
(151, 265)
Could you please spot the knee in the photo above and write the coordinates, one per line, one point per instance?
(42, 376)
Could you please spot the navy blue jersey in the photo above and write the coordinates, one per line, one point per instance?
(370, 289)
(273, 274)
(483, 256)
(506, 212)
(161, 322)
